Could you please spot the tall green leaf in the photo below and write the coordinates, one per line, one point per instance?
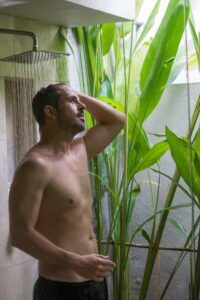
(138, 5)
(137, 61)
(160, 57)
(79, 35)
(108, 34)
(112, 102)
(149, 24)
(181, 154)
(132, 196)
(179, 63)
(117, 51)
(196, 39)
(125, 29)
(196, 142)
(89, 50)
(106, 88)
(137, 135)
(146, 236)
(151, 157)
(177, 225)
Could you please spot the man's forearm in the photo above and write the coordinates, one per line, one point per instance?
(39, 247)
(91, 266)
(101, 111)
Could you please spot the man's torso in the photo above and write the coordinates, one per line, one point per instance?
(65, 215)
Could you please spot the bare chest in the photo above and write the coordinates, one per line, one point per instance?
(69, 187)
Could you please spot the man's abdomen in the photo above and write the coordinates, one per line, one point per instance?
(78, 238)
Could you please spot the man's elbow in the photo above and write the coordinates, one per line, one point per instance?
(18, 238)
(15, 240)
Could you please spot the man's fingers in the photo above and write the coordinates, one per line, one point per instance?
(103, 256)
(108, 263)
(99, 279)
(105, 268)
(106, 259)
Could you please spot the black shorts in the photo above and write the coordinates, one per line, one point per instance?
(46, 289)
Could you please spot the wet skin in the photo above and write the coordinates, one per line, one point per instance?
(65, 215)
(51, 199)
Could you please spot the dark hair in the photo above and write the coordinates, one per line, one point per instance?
(48, 95)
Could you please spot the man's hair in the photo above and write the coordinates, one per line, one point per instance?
(48, 95)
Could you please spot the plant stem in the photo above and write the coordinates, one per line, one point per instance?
(196, 285)
(181, 257)
(123, 211)
(152, 253)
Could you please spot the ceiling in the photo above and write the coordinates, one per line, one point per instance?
(69, 13)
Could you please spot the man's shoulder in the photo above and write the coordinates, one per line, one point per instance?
(33, 163)
(32, 174)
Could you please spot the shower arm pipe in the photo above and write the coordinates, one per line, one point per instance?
(21, 32)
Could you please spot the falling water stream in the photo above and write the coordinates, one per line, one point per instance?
(27, 73)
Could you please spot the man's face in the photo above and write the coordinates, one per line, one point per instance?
(70, 110)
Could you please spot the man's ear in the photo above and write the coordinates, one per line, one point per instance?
(50, 112)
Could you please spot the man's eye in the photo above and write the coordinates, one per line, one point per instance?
(72, 99)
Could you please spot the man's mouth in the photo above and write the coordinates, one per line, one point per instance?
(81, 116)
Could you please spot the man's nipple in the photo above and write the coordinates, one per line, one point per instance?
(71, 201)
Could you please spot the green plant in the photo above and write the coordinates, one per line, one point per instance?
(191, 176)
(130, 75)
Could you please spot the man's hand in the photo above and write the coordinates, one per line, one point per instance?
(109, 123)
(94, 266)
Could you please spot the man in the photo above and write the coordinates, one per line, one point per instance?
(50, 197)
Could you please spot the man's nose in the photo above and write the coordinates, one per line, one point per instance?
(81, 105)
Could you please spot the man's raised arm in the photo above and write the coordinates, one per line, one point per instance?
(109, 123)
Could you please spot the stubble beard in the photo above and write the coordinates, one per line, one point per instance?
(76, 126)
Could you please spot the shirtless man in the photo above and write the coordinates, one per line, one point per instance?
(50, 198)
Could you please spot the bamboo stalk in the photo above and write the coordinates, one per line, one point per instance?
(196, 284)
(123, 210)
(158, 275)
(126, 265)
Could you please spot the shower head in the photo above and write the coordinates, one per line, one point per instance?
(31, 57)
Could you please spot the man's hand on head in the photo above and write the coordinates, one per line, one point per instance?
(109, 123)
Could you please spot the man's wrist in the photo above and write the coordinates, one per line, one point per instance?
(71, 259)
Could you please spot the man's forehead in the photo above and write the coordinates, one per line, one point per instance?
(67, 90)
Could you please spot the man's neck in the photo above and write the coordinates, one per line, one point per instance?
(59, 140)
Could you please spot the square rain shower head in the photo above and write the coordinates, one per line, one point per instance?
(32, 57)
